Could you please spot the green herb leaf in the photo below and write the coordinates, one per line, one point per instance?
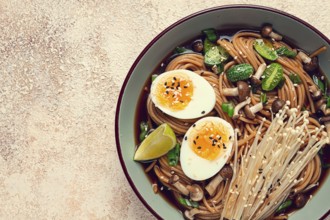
(210, 34)
(295, 78)
(187, 202)
(143, 130)
(263, 98)
(319, 83)
(228, 107)
(284, 205)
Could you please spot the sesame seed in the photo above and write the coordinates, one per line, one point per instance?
(185, 87)
(210, 138)
(229, 137)
(224, 146)
(199, 147)
(203, 112)
(185, 138)
(194, 142)
(197, 137)
(194, 125)
(174, 78)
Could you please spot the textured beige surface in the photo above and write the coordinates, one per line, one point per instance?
(61, 67)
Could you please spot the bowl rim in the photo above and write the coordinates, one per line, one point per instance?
(155, 39)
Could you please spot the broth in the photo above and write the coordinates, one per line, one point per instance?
(141, 115)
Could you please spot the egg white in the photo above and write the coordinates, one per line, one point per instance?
(202, 101)
(196, 167)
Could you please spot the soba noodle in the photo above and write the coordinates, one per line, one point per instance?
(241, 50)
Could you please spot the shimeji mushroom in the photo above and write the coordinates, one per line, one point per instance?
(316, 92)
(310, 63)
(189, 214)
(174, 180)
(250, 111)
(326, 121)
(242, 91)
(239, 106)
(255, 79)
(300, 200)
(195, 192)
(277, 105)
(322, 106)
(225, 173)
(267, 31)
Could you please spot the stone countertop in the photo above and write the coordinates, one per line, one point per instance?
(62, 65)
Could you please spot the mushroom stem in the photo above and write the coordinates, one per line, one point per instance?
(174, 180)
(257, 107)
(230, 91)
(306, 59)
(275, 36)
(260, 71)
(316, 92)
(324, 109)
(212, 186)
(326, 121)
(189, 214)
(239, 106)
(196, 192)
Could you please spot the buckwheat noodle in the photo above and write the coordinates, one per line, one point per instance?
(241, 50)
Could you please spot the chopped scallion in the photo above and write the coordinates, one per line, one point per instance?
(174, 155)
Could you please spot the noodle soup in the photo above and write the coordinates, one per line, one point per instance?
(259, 81)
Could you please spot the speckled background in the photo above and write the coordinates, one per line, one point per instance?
(61, 68)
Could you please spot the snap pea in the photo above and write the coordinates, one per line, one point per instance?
(284, 51)
(240, 72)
(272, 76)
(214, 57)
(265, 49)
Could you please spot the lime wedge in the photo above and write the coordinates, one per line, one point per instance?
(156, 144)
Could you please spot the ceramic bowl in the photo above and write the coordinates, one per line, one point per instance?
(296, 30)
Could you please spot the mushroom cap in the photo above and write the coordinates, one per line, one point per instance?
(300, 200)
(313, 65)
(266, 30)
(248, 112)
(255, 81)
(243, 90)
(197, 45)
(173, 179)
(227, 172)
(196, 192)
(325, 119)
(317, 95)
(277, 105)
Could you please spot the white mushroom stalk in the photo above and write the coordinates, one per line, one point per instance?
(239, 106)
(270, 168)
(260, 71)
(304, 57)
(230, 91)
(212, 186)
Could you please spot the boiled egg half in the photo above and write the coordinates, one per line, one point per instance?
(182, 94)
(206, 147)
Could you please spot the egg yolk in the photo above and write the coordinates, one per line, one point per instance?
(175, 92)
(209, 140)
